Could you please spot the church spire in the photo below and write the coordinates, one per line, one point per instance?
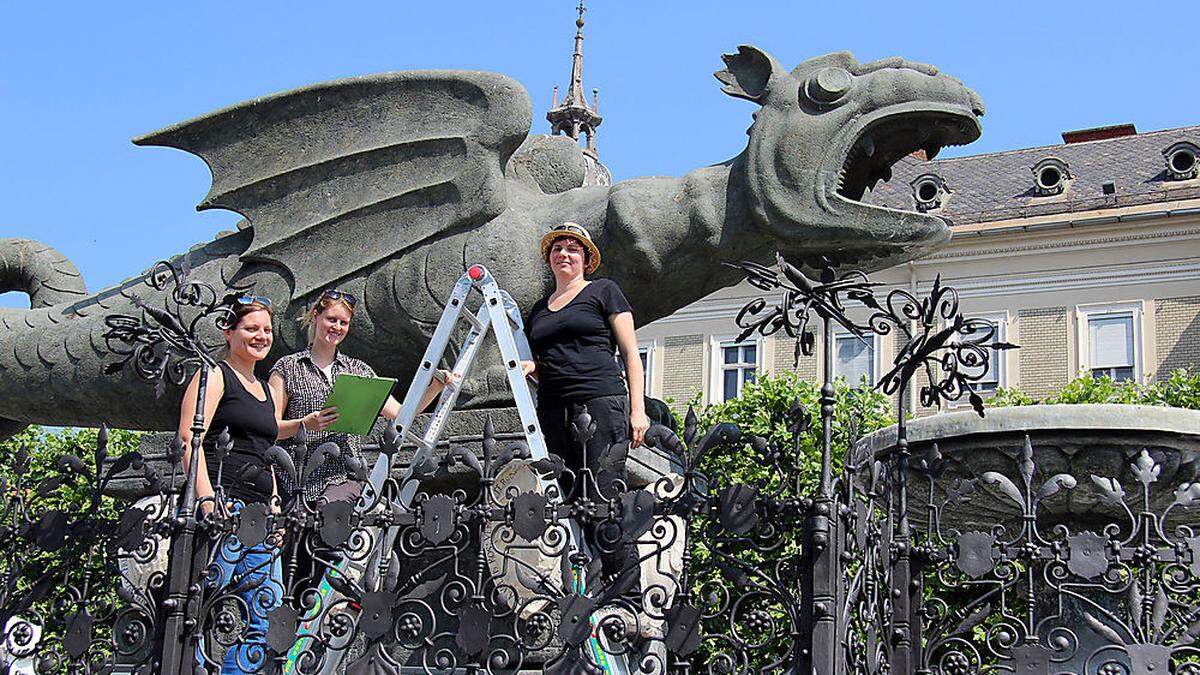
(574, 116)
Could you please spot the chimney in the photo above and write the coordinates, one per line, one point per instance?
(1098, 133)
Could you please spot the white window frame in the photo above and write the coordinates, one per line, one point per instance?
(1085, 313)
(716, 364)
(876, 357)
(1001, 322)
(647, 347)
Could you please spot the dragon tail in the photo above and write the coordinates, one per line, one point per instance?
(46, 276)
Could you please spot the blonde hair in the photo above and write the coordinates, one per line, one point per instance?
(308, 319)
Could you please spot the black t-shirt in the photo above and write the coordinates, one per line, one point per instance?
(245, 474)
(574, 346)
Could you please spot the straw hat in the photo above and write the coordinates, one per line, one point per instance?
(575, 231)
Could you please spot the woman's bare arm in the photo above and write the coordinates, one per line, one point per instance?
(214, 389)
(622, 325)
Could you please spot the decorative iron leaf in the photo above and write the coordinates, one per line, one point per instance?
(1062, 481)
(1159, 614)
(474, 624)
(48, 485)
(376, 618)
(79, 633)
(691, 424)
(283, 459)
(575, 610)
(1136, 612)
(738, 508)
(637, 513)
(1027, 466)
(972, 619)
(426, 588)
(1110, 489)
(1187, 494)
(131, 529)
(551, 466)
(1145, 469)
(684, 636)
(1005, 485)
(21, 461)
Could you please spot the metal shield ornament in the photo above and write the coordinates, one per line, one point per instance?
(437, 519)
(1086, 555)
(975, 555)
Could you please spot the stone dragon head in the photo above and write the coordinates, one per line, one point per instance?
(827, 132)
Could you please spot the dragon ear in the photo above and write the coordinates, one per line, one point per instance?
(747, 73)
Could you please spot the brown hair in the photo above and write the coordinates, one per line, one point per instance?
(240, 310)
(323, 303)
(587, 253)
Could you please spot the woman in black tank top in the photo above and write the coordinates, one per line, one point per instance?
(238, 401)
(245, 474)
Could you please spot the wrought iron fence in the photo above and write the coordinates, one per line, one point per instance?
(868, 575)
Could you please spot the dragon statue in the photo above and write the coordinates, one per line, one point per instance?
(387, 185)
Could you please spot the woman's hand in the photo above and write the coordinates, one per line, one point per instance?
(638, 424)
(320, 420)
(447, 378)
(529, 369)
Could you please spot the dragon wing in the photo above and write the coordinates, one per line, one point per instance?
(359, 169)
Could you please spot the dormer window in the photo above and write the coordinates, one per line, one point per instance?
(929, 191)
(1050, 176)
(1181, 160)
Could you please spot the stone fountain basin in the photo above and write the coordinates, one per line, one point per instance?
(1078, 440)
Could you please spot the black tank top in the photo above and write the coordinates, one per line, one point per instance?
(245, 474)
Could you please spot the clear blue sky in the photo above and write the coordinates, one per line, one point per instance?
(78, 80)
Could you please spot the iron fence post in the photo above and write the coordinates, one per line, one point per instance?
(821, 551)
(182, 594)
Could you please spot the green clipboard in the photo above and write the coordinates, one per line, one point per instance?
(358, 400)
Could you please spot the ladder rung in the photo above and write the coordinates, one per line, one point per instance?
(470, 318)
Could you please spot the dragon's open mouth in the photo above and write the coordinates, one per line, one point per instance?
(885, 138)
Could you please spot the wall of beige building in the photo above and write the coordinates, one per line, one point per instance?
(1040, 279)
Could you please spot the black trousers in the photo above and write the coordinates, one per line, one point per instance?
(605, 454)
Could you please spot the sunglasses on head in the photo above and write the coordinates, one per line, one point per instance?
(340, 295)
(568, 228)
(251, 298)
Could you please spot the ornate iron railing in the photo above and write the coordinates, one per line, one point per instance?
(866, 574)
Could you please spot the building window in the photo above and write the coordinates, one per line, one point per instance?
(854, 358)
(1108, 341)
(1110, 346)
(993, 377)
(736, 366)
(646, 354)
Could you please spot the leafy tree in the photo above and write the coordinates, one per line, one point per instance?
(52, 537)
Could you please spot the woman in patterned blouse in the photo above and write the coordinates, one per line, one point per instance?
(300, 385)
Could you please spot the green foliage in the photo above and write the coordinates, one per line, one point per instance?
(763, 410)
(46, 486)
(1181, 389)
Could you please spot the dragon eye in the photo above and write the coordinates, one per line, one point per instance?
(827, 85)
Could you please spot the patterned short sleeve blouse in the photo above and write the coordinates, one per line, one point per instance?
(307, 390)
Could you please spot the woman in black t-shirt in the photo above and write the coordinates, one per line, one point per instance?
(573, 333)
